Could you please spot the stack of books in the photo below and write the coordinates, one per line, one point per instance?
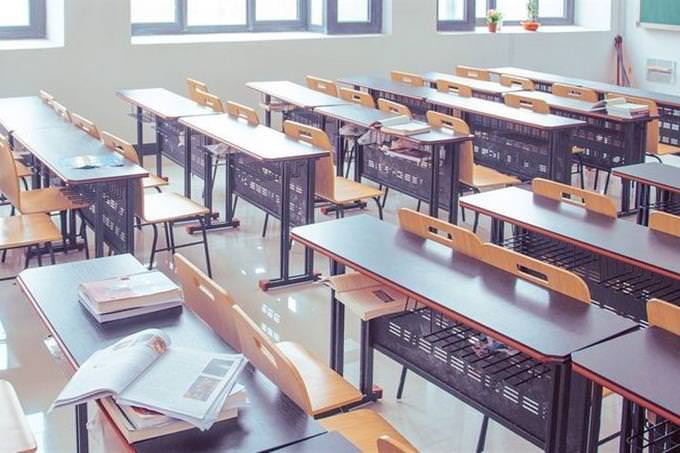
(365, 297)
(622, 109)
(132, 295)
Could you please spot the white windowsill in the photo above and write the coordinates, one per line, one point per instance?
(240, 37)
(518, 30)
(26, 44)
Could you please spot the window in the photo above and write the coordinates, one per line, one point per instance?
(218, 16)
(453, 14)
(22, 19)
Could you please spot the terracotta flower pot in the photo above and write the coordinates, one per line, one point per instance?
(493, 27)
(530, 25)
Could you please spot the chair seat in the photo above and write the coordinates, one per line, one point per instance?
(51, 199)
(484, 177)
(22, 170)
(362, 428)
(16, 433)
(153, 181)
(327, 389)
(347, 191)
(24, 230)
(168, 206)
(665, 149)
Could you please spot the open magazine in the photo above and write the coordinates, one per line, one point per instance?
(143, 371)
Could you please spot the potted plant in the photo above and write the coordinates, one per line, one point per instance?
(493, 19)
(531, 24)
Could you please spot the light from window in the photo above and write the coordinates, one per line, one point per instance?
(15, 13)
(480, 8)
(353, 10)
(216, 12)
(152, 11)
(316, 12)
(551, 8)
(512, 9)
(451, 10)
(269, 10)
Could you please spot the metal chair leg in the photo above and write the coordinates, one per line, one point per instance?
(481, 442)
(264, 227)
(83, 235)
(25, 184)
(476, 225)
(387, 191)
(380, 209)
(153, 245)
(28, 256)
(172, 237)
(582, 171)
(205, 246)
(167, 234)
(606, 182)
(50, 249)
(418, 206)
(597, 179)
(233, 208)
(64, 230)
(402, 381)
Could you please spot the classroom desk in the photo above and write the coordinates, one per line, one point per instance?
(643, 367)
(271, 421)
(265, 163)
(436, 183)
(27, 112)
(515, 141)
(110, 190)
(669, 105)
(381, 87)
(624, 264)
(666, 180)
(483, 89)
(465, 298)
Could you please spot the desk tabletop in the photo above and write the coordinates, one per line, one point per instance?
(28, 113)
(163, 103)
(56, 148)
(600, 87)
(388, 86)
(272, 420)
(619, 239)
(294, 94)
(260, 142)
(530, 318)
(482, 86)
(666, 177)
(642, 366)
(504, 112)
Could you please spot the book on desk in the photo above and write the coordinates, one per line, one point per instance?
(366, 297)
(621, 108)
(401, 125)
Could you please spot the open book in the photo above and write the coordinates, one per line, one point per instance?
(366, 297)
(401, 125)
(142, 370)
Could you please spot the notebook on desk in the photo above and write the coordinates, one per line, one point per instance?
(401, 125)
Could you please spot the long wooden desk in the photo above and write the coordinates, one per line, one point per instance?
(643, 368)
(110, 190)
(624, 264)
(271, 171)
(483, 89)
(436, 183)
(271, 421)
(666, 180)
(464, 299)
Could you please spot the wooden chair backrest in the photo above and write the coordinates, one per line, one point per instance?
(664, 315)
(471, 72)
(653, 127)
(322, 85)
(46, 97)
(86, 125)
(266, 357)
(9, 181)
(665, 223)
(574, 92)
(592, 201)
(324, 171)
(511, 81)
(538, 272)
(356, 96)
(388, 445)
(455, 237)
(193, 86)
(208, 300)
(394, 107)
(523, 102)
(61, 111)
(446, 86)
(128, 151)
(466, 156)
(243, 111)
(209, 100)
(408, 78)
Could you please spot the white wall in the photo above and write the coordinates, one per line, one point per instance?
(98, 58)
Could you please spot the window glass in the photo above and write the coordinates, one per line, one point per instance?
(216, 12)
(353, 10)
(152, 11)
(267, 10)
(15, 13)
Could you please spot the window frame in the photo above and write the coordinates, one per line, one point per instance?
(37, 24)
(372, 26)
(466, 24)
(567, 19)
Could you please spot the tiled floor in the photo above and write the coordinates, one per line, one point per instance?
(433, 420)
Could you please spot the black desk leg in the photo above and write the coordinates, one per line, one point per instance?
(434, 185)
(366, 359)
(335, 269)
(452, 153)
(558, 414)
(159, 149)
(187, 162)
(339, 151)
(594, 416)
(140, 135)
(268, 111)
(130, 191)
(643, 200)
(497, 231)
(626, 426)
(82, 442)
(99, 222)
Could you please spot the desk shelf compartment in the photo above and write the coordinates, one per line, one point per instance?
(512, 387)
(260, 184)
(173, 146)
(670, 124)
(657, 436)
(615, 286)
(667, 202)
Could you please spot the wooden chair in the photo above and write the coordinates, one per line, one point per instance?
(665, 223)
(23, 172)
(664, 315)
(511, 81)
(369, 432)
(394, 107)
(242, 111)
(474, 177)
(61, 111)
(209, 100)
(15, 429)
(162, 208)
(523, 102)
(306, 380)
(322, 85)
(194, 86)
(334, 189)
(86, 125)
(407, 78)
(128, 151)
(575, 92)
(592, 201)
(208, 300)
(458, 89)
(471, 72)
(28, 231)
(357, 97)
(46, 97)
